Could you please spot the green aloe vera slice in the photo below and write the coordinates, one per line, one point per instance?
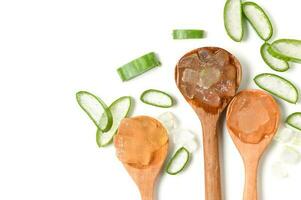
(273, 62)
(178, 161)
(286, 49)
(96, 109)
(277, 86)
(294, 120)
(138, 66)
(180, 34)
(156, 98)
(233, 19)
(258, 19)
(119, 109)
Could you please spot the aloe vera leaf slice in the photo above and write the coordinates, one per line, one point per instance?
(286, 49)
(157, 98)
(119, 109)
(138, 66)
(273, 62)
(258, 19)
(96, 109)
(277, 86)
(233, 19)
(294, 120)
(178, 162)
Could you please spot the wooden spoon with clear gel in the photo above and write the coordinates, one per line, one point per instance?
(142, 146)
(208, 78)
(252, 121)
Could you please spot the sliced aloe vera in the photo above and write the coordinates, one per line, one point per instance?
(138, 66)
(233, 19)
(119, 109)
(178, 162)
(286, 49)
(294, 120)
(277, 86)
(180, 34)
(156, 98)
(258, 19)
(96, 109)
(273, 62)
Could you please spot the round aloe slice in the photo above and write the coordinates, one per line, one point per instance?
(286, 49)
(96, 109)
(119, 109)
(277, 86)
(178, 162)
(294, 120)
(258, 19)
(156, 98)
(233, 19)
(273, 62)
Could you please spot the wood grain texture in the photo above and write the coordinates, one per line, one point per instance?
(209, 117)
(209, 123)
(145, 178)
(252, 153)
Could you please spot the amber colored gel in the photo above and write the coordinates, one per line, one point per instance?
(208, 75)
(138, 139)
(252, 116)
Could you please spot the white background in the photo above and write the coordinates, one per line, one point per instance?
(51, 49)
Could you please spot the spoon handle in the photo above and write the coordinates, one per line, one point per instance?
(211, 157)
(147, 191)
(250, 190)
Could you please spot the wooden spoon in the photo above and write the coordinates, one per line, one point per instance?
(208, 78)
(145, 178)
(144, 175)
(252, 121)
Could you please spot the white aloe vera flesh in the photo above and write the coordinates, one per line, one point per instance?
(273, 62)
(233, 19)
(294, 120)
(277, 86)
(287, 49)
(156, 98)
(178, 161)
(119, 109)
(258, 19)
(96, 109)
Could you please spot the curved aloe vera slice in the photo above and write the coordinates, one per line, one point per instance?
(187, 34)
(233, 19)
(286, 49)
(156, 98)
(96, 109)
(294, 120)
(178, 162)
(273, 62)
(277, 86)
(138, 66)
(258, 19)
(119, 109)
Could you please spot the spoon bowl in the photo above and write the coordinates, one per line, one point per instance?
(142, 146)
(208, 78)
(252, 121)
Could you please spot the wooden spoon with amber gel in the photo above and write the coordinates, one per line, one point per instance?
(252, 121)
(208, 78)
(142, 146)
